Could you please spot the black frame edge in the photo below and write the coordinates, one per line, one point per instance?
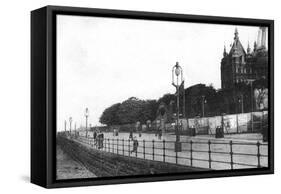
(271, 95)
(38, 97)
(48, 60)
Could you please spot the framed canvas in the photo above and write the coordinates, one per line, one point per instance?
(127, 96)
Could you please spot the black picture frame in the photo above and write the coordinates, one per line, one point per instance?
(43, 95)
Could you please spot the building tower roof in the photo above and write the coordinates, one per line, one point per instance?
(237, 49)
(262, 38)
(224, 52)
(248, 48)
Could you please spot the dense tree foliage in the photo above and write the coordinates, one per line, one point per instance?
(130, 111)
(110, 115)
(198, 98)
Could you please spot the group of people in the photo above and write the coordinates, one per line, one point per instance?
(98, 137)
(158, 134)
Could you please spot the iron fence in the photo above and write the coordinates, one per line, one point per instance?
(195, 153)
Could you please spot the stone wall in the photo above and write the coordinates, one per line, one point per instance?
(105, 164)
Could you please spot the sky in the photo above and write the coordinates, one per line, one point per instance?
(103, 61)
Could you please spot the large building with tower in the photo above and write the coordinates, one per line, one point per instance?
(245, 66)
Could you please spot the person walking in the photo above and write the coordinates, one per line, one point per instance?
(160, 134)
(131, 135)
(95, 137)
(98, 139)
(135, 145)
(101, 140)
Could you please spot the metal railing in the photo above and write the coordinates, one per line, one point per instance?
(195, 153)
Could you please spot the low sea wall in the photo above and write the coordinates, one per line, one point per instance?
(104, 164)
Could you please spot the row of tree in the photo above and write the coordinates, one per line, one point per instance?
(193, 101)
(130, 111)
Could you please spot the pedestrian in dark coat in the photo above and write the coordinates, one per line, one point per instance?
(135, 145)
(95, 137)
(131, 135)
(101, 140)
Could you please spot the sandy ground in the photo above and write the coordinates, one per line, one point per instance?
(67, 168)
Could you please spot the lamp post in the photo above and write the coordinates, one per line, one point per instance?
(252, 97)
(204, 101)
(241, 100)
(177, 70)
(65, 127)
(75, 130)
(252, 106)
(70, 121)
(86, 116)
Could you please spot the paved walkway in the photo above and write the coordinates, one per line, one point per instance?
(245, 151)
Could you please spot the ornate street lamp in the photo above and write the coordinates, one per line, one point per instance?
(177, 70)
(70, 121)
(241, 100)
(75, 129)
(65, 123)
(148, 124)
(252, 105)
(86, 116)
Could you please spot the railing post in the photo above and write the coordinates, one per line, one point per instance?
(123, 146)
(112, 145)
(209, 151)
(191, 155)
(143, 149)
(163, 150)
(231, 154)
(176, 157)
(136, 152)
(117, 146)
(237, 123)
(153, 149)
(108, 145)
(93, 142)
(108, 148)
(258, 154)
(104, 143)
(129, 150)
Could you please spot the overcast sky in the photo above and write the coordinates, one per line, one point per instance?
(102, 61)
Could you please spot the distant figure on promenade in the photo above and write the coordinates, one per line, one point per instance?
(115, 132)
(100, 140)
(95, 137)
(131, 135)
(159, 134)
(135, 145)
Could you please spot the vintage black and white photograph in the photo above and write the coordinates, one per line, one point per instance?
(146, 97)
